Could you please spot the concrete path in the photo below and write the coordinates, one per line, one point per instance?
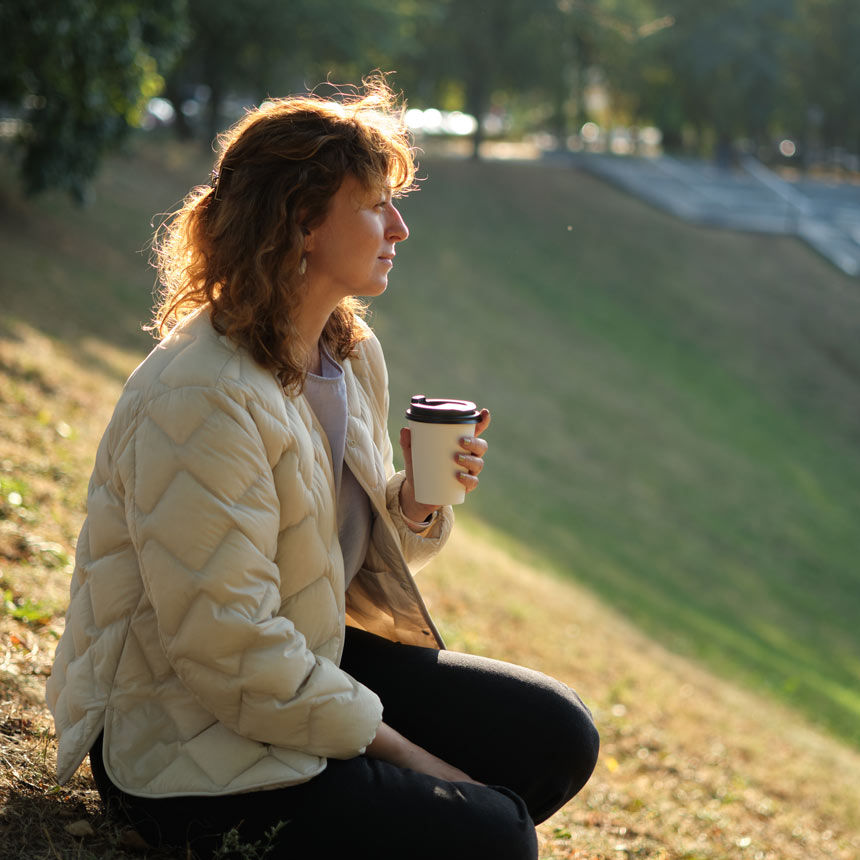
(754, 198)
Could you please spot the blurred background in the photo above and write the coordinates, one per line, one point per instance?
(776, 78)
(636, 240)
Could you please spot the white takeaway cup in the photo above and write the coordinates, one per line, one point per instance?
(437, 425)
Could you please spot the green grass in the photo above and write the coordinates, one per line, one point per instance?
(675, 413)
(675, 409)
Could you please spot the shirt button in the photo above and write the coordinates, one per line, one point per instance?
(351, 442)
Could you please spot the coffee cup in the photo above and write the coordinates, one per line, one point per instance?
(436, 426)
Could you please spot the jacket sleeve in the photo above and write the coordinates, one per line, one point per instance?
(205, 520)
(418, 547)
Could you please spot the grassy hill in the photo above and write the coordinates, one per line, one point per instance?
(677, 413)
(674, 412)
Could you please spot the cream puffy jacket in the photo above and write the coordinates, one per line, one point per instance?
(207, 608)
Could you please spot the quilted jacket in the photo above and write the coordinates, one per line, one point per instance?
(207, 607)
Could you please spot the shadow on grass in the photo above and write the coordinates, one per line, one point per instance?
(83, 272)
(39, 818)
(35, 824)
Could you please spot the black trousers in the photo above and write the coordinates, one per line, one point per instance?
(527, 736)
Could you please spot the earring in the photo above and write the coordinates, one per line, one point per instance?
(303, 265)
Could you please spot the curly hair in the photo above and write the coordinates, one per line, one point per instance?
(236, 245)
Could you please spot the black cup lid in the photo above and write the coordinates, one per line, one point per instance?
(436, 410)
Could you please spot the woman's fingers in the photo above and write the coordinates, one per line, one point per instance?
(469, 463)
(471, 459)
(474, 446)
(406, 446)
(483, 423)
(469, 481)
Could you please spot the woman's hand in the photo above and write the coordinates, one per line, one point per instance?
(470, 463)
(389, 745)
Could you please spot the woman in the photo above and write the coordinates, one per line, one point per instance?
(243, 606)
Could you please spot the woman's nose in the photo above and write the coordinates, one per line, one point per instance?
(397, 229)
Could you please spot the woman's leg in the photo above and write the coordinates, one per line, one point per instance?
(356, 808)
(528, 737)
(502, 724)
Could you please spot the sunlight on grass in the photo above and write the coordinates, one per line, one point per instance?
(734, 744)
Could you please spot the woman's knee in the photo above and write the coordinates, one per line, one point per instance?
(585, 743)
(569, 748)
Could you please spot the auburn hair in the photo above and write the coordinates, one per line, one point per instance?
(235, 246)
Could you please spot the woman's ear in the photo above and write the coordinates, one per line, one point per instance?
(308, 239)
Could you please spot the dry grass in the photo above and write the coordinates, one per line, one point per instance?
(54, 409)
(691, 768)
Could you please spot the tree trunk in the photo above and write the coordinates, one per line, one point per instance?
(478, 102)
(213, 114)
(173, 93)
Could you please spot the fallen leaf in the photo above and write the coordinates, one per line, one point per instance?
(133, 840)
(81, 827)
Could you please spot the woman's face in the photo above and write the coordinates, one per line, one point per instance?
(352, 251)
